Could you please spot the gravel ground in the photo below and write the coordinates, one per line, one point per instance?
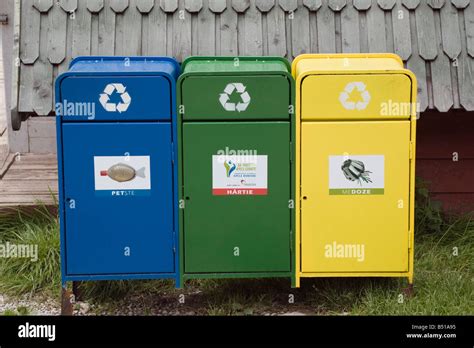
(33, 305)
(134, 304)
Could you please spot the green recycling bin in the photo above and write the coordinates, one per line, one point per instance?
(235, 133)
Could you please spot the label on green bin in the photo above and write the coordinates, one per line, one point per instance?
(357, 175)
(239, 175)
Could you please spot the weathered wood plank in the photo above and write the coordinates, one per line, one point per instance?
(145, 6)
(401, 31)
(240, 5)
(30, 158)
(313, 5)
(253, 40)
(326, 30)
(42, 127)
(43, 5)
(441, 74)
(68, 5)
(42, 101)
(450, 30)
(42, 187)
(81, 31)
(57, 40)
(350, 30)
(94, 33)
(300, 34)
(217, 6)
(362, 5)
(157, 22)
(106, 38)
(119, 6)
(25, 102)
(466, 62)
(228, 31)
(181, 33)
(469, 25)
(206, 42)
(33, 174)
(337, 5)
(386, 5)
(425, 25)
(169, 6)
(276, 32)
(95, 6)
(418, 66)
(376, 30)
(193, 6)
(30, 23)
(128, 31)
(43, 145)
(264, 5)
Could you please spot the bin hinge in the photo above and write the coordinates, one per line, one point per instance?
(291, 152)
(411, 150)
(174, 241)
(172, 153)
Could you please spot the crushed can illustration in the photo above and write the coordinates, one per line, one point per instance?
(355, 171)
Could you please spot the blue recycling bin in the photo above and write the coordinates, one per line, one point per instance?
(116, 136)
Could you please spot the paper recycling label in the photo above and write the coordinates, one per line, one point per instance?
(357, 175)
(235, 175)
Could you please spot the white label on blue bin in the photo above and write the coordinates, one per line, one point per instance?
(122, 175)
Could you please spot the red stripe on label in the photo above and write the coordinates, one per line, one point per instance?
(240, 192)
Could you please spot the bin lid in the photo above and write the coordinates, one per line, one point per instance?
(307, 64)
(126, 65)
(236, 65)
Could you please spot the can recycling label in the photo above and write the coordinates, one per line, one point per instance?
(122, 175)
(357, 175)
(239, 175)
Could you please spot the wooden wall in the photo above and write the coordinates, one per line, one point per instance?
(440, 138)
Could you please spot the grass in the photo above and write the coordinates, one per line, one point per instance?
(444, 277)
(23, 275)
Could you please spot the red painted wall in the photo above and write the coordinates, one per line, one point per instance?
(439, 136)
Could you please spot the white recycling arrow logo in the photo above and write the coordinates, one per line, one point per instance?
(345, 95)
(242, 105)
(113, 107)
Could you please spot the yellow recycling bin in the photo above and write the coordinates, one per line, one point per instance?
(355, 160)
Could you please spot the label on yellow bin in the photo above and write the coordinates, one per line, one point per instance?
(356, 175)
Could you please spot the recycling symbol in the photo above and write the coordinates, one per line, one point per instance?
(244, 102)
(110, 89)
(345, 96)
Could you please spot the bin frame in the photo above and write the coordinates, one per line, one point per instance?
(225, 275)
(59, 122)
(413, 117)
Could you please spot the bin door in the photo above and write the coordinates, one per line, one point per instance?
(355, 196)
(118, 198)
(236, 217)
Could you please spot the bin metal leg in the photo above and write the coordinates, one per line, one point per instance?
(67, 301)
(76, 290)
